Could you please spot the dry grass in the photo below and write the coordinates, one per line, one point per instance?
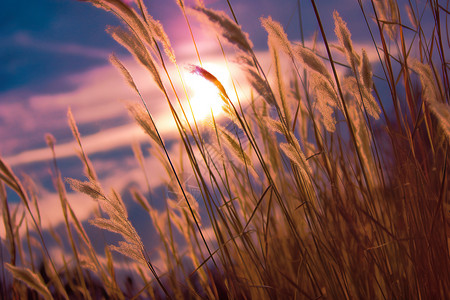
(331, 185)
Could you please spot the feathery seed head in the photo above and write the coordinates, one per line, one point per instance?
(260, 85)
(161, 36)
(32, 280)
(310, 60)
(342, 32)
(89, 188)
(344, 37)
(138, 50)
(326, 99)
(277, 35)
(366, 71)
(367, 102)
(430, 87)
(388, 12)
(442, 113)
(211, 78)
(180, 3)
(50, 140)
(225, 27)
(118, 64)
(144, 120)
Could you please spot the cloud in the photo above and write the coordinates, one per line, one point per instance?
(103, 141)
(116, 173)
(97, 100)
(51, 211)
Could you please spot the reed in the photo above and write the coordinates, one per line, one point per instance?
(331, 182)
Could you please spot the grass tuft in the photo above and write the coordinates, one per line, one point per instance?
(329, 182)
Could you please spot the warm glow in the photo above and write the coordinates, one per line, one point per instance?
(203, 95)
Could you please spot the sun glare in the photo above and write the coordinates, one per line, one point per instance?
(204, 96)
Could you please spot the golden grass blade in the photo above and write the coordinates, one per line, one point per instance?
(33, 280)
(389, 15)
(345, 38)
(157, 31)
(8, 223)
(340, 224)
(431, 86)
(234, 146)
(138, 50)
(160, 35)
(89, 188)
(180, 3)
(211, 78)
(10, 178)
(274, 125)
(141, 116)
(118, 218)
(89, 170)
(326, 100)
(118, 64)
(224, 26)
(295, 158)
(311, 60)
(130, 250)
(367, 102)
(277, 35)
(7, 176)
(442, 113)
(366, 71)
(256, 81)
(286, 115)
(127, 15)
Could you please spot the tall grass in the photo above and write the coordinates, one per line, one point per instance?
(328, 183)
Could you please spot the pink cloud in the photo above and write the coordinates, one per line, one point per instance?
(51, 211)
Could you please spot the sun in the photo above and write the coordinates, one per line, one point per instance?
(204, 96)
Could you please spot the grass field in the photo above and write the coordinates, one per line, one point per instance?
(330, 182)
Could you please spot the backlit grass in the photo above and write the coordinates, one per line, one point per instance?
(330, 182)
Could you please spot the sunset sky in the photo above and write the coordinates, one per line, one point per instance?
(54, 55)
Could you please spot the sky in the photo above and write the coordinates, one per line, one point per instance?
(54, 55)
